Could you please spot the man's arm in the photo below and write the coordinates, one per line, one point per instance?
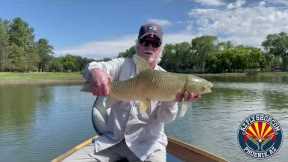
(100, 82)
(101, 74)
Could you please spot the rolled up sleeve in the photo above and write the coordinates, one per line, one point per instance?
(110, 67)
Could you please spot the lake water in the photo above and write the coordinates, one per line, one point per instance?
(37, 123)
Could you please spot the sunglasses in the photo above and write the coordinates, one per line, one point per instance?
(153, 43)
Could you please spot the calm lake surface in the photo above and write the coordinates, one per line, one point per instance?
(37, 123)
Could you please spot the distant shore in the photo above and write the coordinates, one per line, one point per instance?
(11, 78)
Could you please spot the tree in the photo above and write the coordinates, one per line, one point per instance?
(203, 46)
(177, 57)
(277, 45)
(235, 59)
(44, 51)
(3, 45)
(56, 65)
(128, 53)
(70, 63)
(22, 39)
(20, 33)
(16, 58)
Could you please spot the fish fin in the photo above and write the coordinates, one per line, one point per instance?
(183, 108)
(144, 105)
(141, 63)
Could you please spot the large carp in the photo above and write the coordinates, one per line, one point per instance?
(156, 86)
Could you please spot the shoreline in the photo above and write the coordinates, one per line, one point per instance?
(41, 82)
(31, 78)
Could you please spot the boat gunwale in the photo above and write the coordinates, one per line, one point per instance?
(73, 150)
(172, 144)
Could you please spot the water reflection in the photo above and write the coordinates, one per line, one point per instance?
(39, 122)
(276, 99)
(18, 104)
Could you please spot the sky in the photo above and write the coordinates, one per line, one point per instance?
(98, 29)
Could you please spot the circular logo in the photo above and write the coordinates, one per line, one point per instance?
(260, 136)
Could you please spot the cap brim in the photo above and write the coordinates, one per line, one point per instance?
(151, 33)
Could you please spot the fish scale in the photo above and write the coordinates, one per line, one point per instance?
(158, 85)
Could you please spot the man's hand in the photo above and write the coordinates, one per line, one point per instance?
(187, 96)
(100, 83)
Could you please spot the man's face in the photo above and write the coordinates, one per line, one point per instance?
(150, 49)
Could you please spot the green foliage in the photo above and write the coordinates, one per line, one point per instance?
(68, 63)
(22, 55)
(277, 45)
(16, 58)
(3, 45)
(19, 51)
(203, 46)
(206, 55)
(128, 53)
(178, 57)
(20, 33)
(186, 58)
(45, 52)
(56, 65)
(235, 59)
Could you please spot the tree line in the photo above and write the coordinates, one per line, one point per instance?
(206, 54)
(21, 52)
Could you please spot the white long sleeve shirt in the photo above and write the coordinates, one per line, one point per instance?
(143, 132)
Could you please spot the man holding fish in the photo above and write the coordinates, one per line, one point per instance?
(135, 126)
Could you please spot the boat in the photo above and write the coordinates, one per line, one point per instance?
(179, 149)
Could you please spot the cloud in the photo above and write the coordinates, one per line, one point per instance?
(245, 25)
(262, 3)
(161, 22)
(178, 37)
(281, 2)
(240, 23)
(100, 49)
(210, 2)
(236, 4)
(111, 48)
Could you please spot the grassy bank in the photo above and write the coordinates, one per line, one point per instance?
(39, 77)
